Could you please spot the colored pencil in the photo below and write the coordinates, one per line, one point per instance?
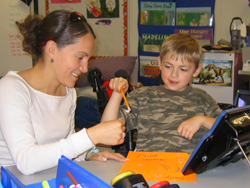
(126, 101)
(72, 178)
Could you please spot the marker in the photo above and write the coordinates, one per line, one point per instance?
(73, 179)
(126, 101)
(45, 184)
(73, 186)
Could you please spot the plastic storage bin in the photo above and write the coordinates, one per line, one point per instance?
(84, 177)
(1, 185)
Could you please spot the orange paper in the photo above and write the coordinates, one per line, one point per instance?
(158, 166)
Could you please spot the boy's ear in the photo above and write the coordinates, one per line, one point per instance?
(198, 70)
(159, 62)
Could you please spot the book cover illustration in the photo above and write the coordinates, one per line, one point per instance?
(204, 36)
(157, 13)
(149, 67)
(193, 16)
(152, 42)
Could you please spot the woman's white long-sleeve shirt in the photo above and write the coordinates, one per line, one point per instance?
(36, 129)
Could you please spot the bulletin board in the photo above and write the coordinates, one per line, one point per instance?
(109, 22)
(160, 18)
(12, 55)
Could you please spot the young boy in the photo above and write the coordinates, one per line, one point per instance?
(171, 117)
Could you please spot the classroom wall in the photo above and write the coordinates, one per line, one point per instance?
(11, 55)
(225, 10)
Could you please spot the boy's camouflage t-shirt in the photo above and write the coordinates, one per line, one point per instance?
(157, 113)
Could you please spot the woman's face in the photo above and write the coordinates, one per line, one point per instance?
(72, 60)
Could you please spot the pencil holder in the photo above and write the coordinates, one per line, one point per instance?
(81, 177)
(129, 179)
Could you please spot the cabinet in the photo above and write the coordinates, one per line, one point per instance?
(241, 72)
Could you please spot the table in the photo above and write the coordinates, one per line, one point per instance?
(230, 176)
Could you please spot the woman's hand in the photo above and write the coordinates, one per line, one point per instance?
(108, 133)
(105, 155)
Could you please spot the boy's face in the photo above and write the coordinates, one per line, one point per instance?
(177, 73)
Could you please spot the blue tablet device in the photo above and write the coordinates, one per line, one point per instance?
(227, 141)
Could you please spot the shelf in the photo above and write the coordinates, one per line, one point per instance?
(243, 72)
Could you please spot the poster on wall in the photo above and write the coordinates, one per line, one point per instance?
(103, 9)
(109, 20)
(215, 72)
(66, 1)
(15, 13)
(217, 76)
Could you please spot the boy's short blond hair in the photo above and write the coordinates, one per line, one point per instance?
(182, 46)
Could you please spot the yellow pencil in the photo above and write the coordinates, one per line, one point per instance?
(126, 101)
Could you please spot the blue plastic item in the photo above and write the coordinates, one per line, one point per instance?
(84, 177)
(1, 185)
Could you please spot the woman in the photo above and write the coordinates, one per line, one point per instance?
(38, 105)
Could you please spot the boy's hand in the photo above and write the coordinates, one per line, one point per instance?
(119, 83)
(105, 155)
(189, 127)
